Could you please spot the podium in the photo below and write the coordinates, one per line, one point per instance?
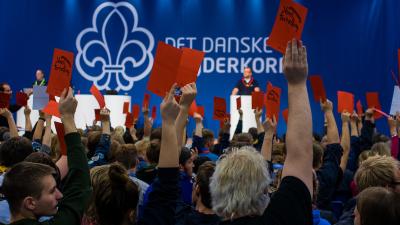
(84, 114)
(249, 119)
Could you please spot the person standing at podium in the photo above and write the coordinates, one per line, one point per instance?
(247, 84)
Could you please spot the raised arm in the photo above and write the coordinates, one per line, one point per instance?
(10, 120)
(269, 127)
(189, 92)
(148, 123)
(345, 141)
(332, 133)
(257, 115)
(28, 123)
(299, 157)
(353, 125)
(37, 135)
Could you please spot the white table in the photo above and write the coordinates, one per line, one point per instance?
(249, 119)
(84, 114)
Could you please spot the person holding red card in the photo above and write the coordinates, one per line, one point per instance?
(247, 84)
(5, 89)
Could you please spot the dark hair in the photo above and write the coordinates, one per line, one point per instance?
(378, 205)
(2, 86)
(205, 171)
(317, 137)
(254, 133)
(379, 138)
(185, 155)
(318, 153)
(114, 194)
(156, 133)
(93, 141)
(153, 154)
(43, 158)
(208, 136)
(126, 154)
(22, 180)
(3, 130)
(242, 139)
(198, 162)
(15, 150)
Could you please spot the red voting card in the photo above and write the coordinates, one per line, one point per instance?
(135, 111)
(129, 120)
(173, 65)
(257, 100)
(52, 98)
(289, 23)
(272, 101)
(318, 89)
(4, 100)
(359, 108)
(193, 108)
(285, 114)
(22, 99)
(61, 72)
(200, 110)
(238, 103)
(99, 97)
(381, 113)
(60, 134)
(345, 101)
(97, 115)
(219, 108)
(125, 108)
(154, 112)
(189, 66)
(146, 101)
(373, 102)
(52, 109)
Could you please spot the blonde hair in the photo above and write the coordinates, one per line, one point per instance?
(142, 146)
(381, 148)
(239, 184)
(376, 171)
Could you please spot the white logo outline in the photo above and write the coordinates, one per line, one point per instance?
(118, 67)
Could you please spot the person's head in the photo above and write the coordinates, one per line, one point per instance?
(198, 161)
(208, 138)
(186, 161)
(377, 205)
(156, 133)
(142, 146)
(318, 154)
(39, 74)
(126, 155)
(31, 190)
(93, 141)
(15, 150)
(377, 137)
(247, 73)
(239, 184)
(242, 139)
(5, 88)
(153, 153)
(115, 196)
(254, 133)
(201, 191)
(378, 171)
(43, 158)
(381, 148)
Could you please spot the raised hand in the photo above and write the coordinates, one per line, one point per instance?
(326, 106)
(189, 92)
(270, 125)
(67, 105)
(104, 114)
(295, 66)
(169, 107)
(27, 110)
(345, 117)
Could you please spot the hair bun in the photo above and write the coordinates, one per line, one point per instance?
(118, 175)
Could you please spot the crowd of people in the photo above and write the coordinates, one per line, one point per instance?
(145, 175)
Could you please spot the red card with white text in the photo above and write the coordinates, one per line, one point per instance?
(60, 135)
(289, 24)
(345, 101)
(61, 72)
(272, 102)
(219, 108)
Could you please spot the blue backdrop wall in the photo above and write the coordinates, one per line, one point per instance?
(352, 44)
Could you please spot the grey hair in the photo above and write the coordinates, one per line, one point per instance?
(239, 184)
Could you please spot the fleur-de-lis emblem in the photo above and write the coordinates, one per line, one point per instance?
(115, 47)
